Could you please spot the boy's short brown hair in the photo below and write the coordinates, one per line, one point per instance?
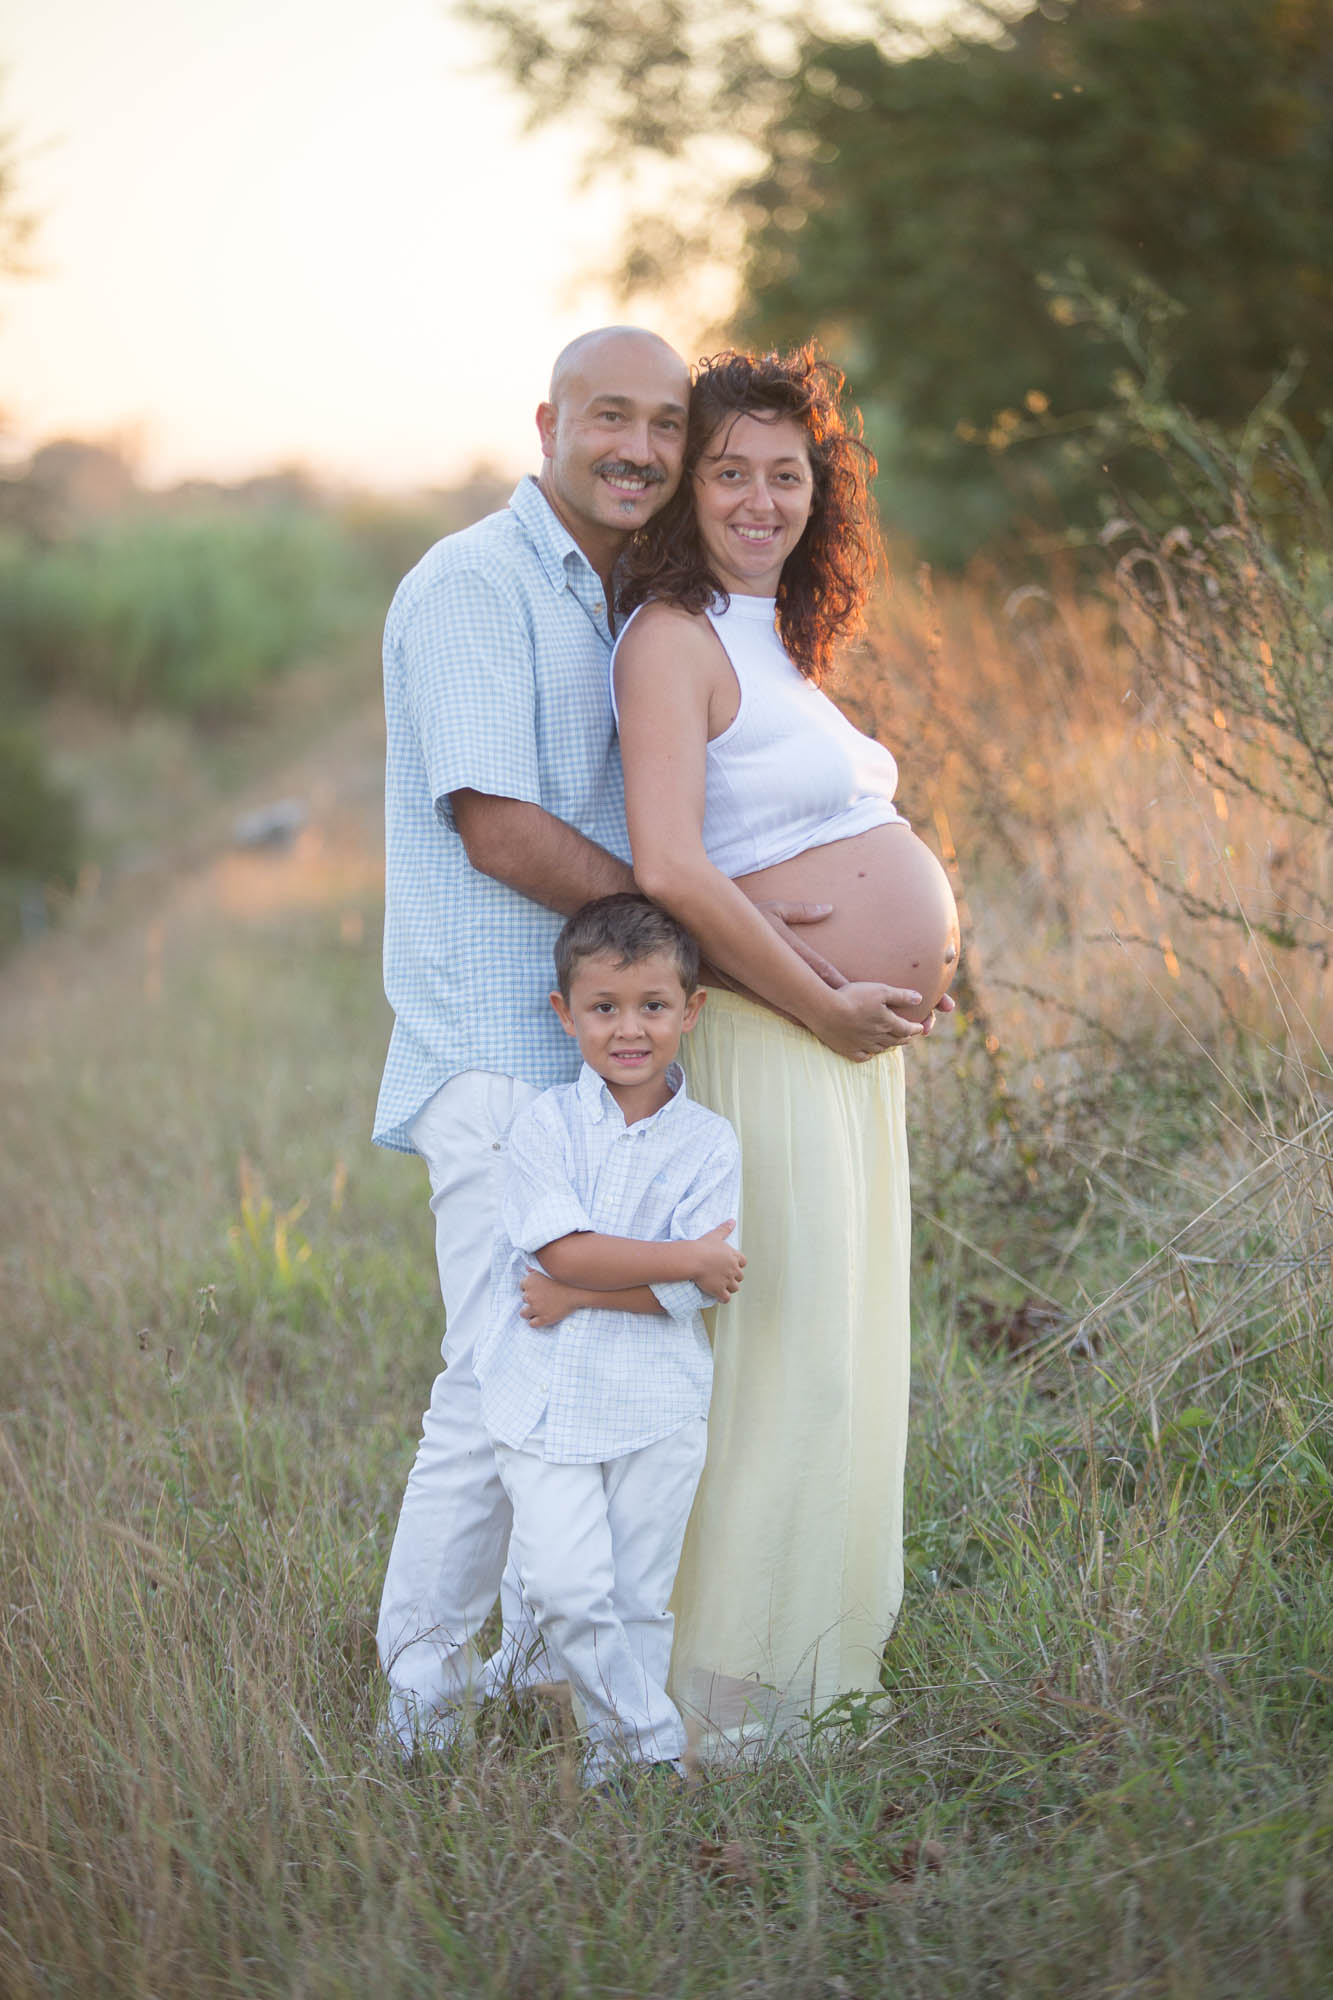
(627, 927)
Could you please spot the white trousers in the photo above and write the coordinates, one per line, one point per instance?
(597, 1548)
(448, 1554)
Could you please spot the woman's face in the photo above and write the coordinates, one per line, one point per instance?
(753, 491)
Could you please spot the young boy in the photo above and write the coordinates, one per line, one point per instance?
(617, 1226)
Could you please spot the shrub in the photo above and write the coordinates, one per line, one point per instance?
(190, 611)
(39, 832)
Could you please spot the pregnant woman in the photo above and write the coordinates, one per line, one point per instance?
(744, 782)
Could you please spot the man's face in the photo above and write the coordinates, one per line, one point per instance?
(614, 442)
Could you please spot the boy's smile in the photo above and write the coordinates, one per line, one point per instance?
(629, 1020)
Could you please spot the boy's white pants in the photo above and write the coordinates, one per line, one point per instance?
(448, 1553)
(597, 1547)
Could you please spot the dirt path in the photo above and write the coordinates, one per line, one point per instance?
(122, 928)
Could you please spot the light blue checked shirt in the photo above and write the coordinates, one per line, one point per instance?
(600, 1383)
(496, 680)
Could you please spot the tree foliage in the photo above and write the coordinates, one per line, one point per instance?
(903, 198)
(16, 222)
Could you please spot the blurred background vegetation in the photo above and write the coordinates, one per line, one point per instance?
(925, 200)
(123, 610)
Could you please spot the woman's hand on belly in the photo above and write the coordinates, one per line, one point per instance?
(893, 922)
(944, 1005)
(858, 1019)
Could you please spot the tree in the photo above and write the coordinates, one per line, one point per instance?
(16, 223)
(903, 199)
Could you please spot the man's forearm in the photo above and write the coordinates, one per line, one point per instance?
(533, 852)
(612, 1263)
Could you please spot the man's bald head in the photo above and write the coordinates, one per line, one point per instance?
(614, 346)
(613, 435)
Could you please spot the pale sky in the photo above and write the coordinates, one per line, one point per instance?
(277, 230)
(285, 229)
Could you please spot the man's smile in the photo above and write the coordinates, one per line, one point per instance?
(633, 479)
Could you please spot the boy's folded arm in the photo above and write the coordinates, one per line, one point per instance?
(612, 1263)
(575, 1254)
(627, 1299)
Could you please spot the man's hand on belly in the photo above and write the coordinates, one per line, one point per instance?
(785, 917)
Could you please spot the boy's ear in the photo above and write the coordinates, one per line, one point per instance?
(566, 1018)
(693, 1008)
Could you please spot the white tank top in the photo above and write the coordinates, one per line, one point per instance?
(790, 772)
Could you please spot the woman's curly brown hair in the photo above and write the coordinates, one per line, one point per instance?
(827, 577)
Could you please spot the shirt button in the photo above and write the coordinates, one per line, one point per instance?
(599, 609)
(496, 1146)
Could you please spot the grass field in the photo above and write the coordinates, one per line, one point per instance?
(1101, 1761)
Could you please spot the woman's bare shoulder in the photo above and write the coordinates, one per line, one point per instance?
(656, 625)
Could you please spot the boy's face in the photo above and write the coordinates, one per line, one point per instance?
(629, 1020)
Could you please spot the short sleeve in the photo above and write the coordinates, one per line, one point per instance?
(712, 1196)
(469, 679)
(539, 1203)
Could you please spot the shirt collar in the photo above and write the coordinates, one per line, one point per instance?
(598, 1103)
(551, 540)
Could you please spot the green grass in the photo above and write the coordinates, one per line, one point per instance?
(1101, 1761)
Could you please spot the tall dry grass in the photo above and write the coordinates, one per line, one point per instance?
(1145, 973)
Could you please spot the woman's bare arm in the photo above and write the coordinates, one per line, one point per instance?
(670, 670)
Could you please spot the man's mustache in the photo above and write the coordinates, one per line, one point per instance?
(625, 468)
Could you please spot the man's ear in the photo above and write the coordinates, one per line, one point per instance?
(693, 1009)
(547, 417)
(566, 1018)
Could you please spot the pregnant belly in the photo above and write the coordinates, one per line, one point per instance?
(894, 917)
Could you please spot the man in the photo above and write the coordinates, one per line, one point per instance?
(504, 812)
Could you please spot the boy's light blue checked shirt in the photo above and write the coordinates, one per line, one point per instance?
(602, 1384)
(496, 679)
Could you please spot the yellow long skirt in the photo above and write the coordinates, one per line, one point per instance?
(792, 1570)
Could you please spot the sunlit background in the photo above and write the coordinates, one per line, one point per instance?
(287, 230)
